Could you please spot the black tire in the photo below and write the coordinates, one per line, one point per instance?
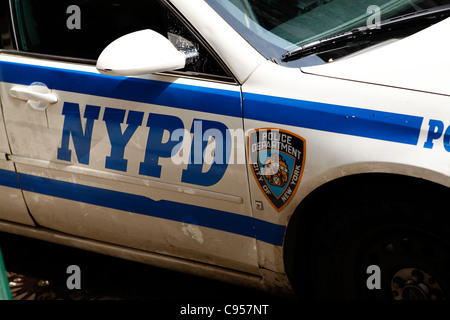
(405, 233)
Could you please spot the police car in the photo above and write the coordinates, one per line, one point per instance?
(299, 147)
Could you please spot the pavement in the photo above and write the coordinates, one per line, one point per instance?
(24, 287)
(37, 270)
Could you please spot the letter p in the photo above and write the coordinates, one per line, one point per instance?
(435, 132)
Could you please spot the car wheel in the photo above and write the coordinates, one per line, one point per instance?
(379, 246)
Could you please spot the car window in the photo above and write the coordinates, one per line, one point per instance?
(82, 29)
(5, 31)
(274, 27)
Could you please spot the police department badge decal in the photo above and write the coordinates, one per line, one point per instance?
(277, 158)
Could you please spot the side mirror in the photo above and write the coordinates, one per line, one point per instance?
(138, 53)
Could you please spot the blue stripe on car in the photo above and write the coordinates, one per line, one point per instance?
(195, 98)
(9, 179)
(204, 217)
(360, 122)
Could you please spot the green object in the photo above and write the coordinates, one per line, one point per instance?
(5, 293)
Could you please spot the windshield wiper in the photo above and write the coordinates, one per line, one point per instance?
(364, 35)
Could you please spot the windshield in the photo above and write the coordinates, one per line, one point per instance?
(274, 27)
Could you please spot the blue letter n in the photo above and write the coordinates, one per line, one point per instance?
(72, 126)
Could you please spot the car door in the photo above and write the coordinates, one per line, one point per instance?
(143, 162)
(12, 204)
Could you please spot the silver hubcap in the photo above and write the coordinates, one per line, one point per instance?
(415, 284)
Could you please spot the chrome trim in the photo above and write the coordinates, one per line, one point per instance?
(178, 74)
(126, 179)
(13, 23)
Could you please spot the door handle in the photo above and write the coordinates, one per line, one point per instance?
(37, 94)
(26, 94)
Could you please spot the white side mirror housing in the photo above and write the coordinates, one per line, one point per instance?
(138, 53)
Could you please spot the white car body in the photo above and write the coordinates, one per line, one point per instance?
(382, 110)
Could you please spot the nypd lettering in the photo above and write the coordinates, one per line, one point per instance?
(277, 158)
(157, 146)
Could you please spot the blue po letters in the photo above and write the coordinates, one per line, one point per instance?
(435, 132)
